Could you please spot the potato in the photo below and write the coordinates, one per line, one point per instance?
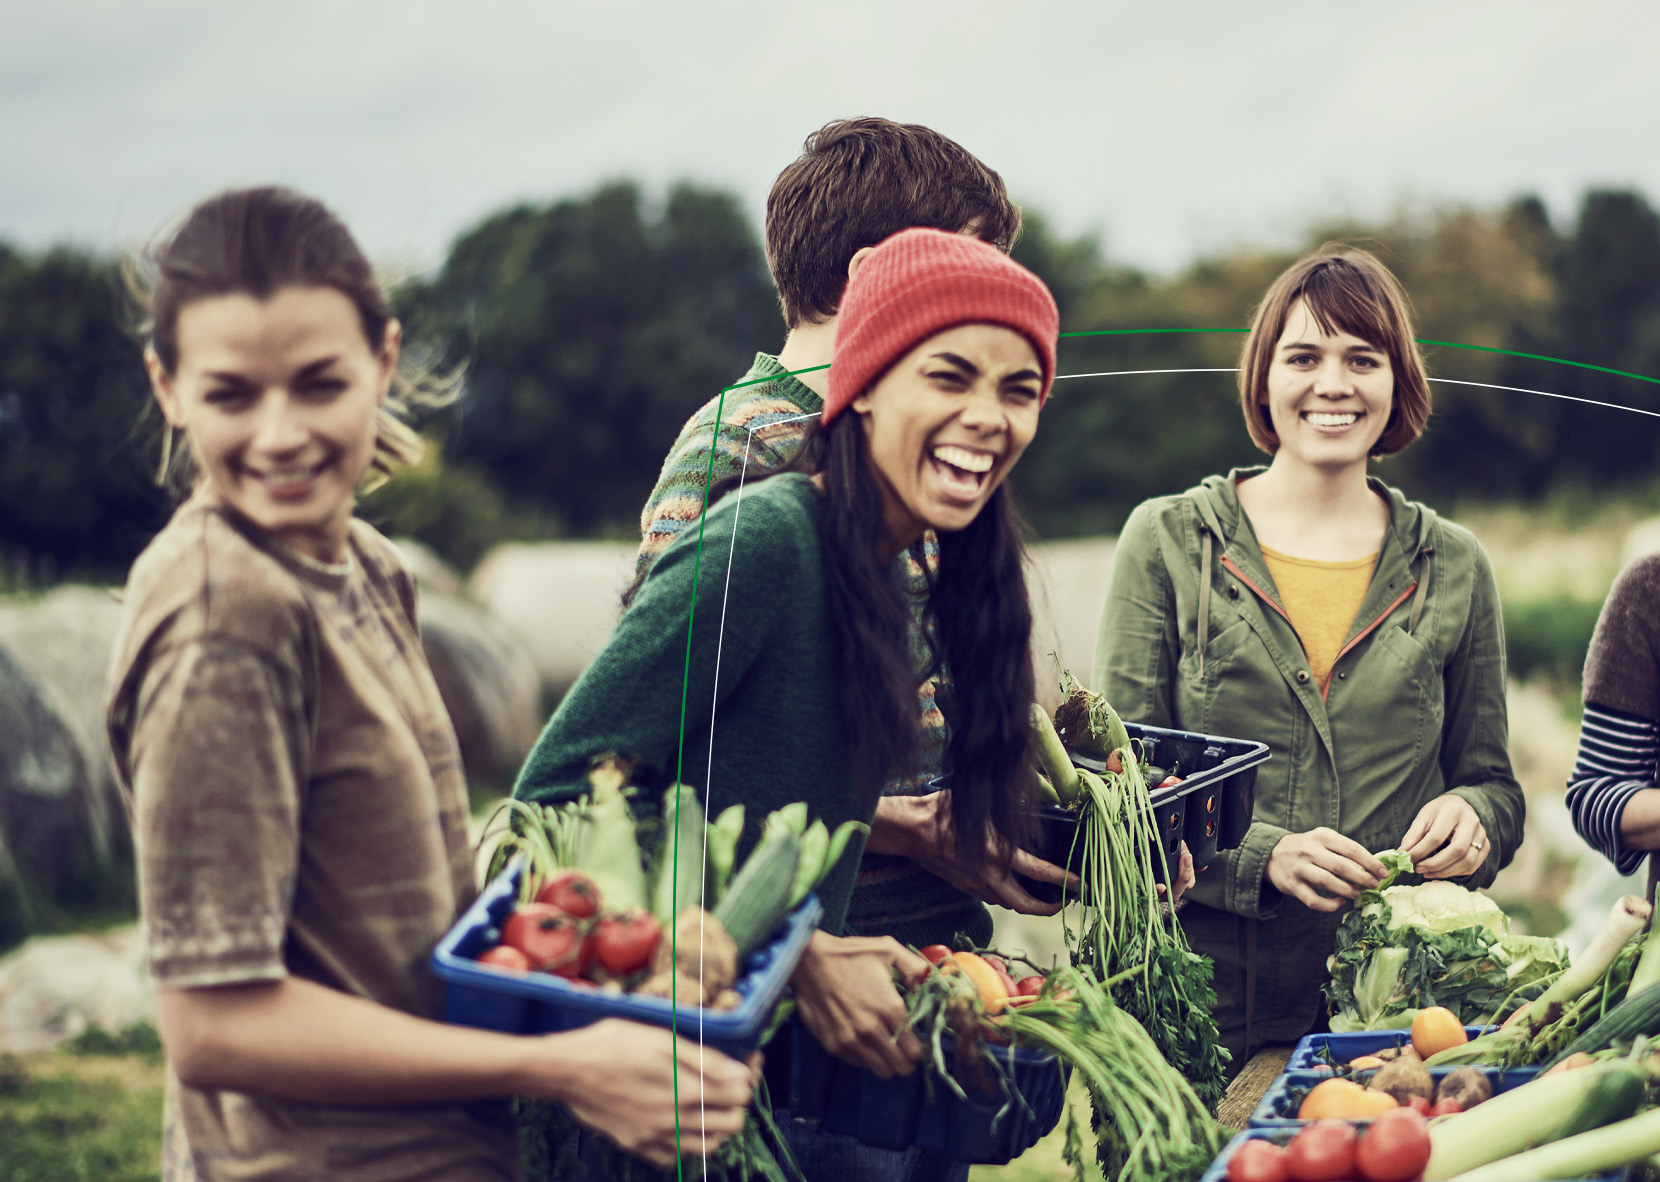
(701, 949)
(687, 991)
(1404, 1077)
(1468, 1085)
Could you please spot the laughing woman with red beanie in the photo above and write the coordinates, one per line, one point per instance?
(801, 686)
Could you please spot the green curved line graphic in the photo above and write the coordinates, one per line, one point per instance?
(1541, 357)
(1622, 373)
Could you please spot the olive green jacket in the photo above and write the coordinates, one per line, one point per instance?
(1414, 707)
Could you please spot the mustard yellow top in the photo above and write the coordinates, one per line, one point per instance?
(1322, 599)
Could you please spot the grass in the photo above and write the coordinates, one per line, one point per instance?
(90, 1110)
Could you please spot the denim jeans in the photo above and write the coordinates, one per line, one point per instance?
(832, 1157)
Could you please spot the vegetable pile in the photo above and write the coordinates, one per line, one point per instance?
(1405, 947)
(655, 908)
(1396, 1077)
(567, 925)
(1582, 999)
(973, 998)
(1550, 1127)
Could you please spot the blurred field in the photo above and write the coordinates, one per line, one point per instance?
(87, 1112)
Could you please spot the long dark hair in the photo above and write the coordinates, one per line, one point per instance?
(979, 626)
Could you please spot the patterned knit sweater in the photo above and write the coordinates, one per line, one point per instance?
(763, 418)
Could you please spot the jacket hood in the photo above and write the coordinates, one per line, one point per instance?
(1217, 500)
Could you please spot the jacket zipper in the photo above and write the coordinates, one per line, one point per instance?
(1362, 635)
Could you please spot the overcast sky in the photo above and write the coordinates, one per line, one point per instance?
(1172, 129)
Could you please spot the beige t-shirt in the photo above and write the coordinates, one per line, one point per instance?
(298, 808)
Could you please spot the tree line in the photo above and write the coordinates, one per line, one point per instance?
(591, 327)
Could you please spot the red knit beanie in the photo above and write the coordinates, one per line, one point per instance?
(921, 282)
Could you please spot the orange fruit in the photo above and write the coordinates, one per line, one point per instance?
(993, 995)
(1343, 1099)
(1435, 1029)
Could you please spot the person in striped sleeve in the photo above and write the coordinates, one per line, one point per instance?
(1612, 791)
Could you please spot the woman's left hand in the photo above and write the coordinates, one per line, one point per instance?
(1185, 877)
(1446, 839)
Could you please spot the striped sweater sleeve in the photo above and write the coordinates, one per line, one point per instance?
(1617, 757)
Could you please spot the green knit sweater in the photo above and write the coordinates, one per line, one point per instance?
(763, 722)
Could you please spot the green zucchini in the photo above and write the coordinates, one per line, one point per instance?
(815, 844)
(759, 894)
(680, 864)
(838, 846)
(1616, 1096)
(792, 817)
(723, 851)
(1638, 1014)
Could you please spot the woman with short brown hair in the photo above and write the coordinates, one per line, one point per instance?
(1312, 607)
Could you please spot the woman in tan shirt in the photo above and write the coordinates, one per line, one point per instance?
(298, 802)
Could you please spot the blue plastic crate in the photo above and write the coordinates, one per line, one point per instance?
(1351, 1046)
(1218, 1171)
(1274, 1109)
(921, 1111)
(537, 1003)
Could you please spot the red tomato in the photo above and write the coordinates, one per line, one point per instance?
(625, 943)
(996, 962)
(1418, 1104)
(935, 953)
(551, 940)
(1029, 986)
(505, 956)
(1395, 1148)
(573, 892)
(1170, 781)
(1447, 1107)
(1257, 1161)
(1322, 1152)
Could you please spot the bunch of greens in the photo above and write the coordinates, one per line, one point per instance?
(1403, 948)
(1126, 935)
(1156, 1127)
